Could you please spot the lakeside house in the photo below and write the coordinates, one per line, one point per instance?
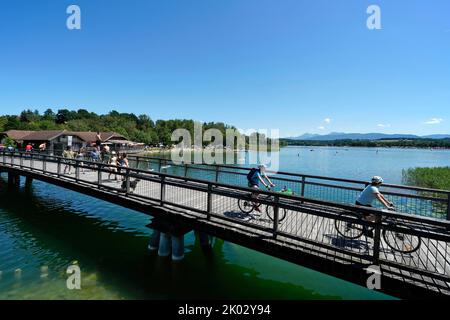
(57, 140)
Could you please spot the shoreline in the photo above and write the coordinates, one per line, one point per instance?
(371, 147)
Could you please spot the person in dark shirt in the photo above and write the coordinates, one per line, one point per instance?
(254, 177)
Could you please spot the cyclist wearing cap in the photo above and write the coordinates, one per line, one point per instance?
(371, 193)
(366, 198)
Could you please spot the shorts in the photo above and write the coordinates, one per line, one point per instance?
(253, 186)
(365, 215)
(363, 205)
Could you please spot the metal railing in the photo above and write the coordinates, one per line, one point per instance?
(412, 200)
(309, 224)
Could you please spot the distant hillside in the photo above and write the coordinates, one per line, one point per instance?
(364, 136)
(437, 136)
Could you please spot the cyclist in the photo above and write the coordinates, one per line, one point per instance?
(255, 176)
(368, 196)
(371, 193)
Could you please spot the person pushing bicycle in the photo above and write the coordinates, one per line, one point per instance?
(254, 177)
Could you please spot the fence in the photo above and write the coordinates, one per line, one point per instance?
(412, 200)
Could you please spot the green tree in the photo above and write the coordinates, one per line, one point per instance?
(49, 115)
(8, 142)
(3, 122)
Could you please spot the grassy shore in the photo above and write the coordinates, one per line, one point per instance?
(435, 178)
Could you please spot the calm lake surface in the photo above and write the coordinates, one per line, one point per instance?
(360, 163)
(44, 229)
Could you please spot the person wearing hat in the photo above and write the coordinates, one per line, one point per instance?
(368, 196)
(372, 193)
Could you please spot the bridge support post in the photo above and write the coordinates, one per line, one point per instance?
(10, 178)
(164, 245)
(28, 181)
(177, 248)
(154, 241)
(13, 179)
(205, 240)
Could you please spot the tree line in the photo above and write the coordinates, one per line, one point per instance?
(406, 143)
(139, 128)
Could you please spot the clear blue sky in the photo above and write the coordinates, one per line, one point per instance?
(286, 64)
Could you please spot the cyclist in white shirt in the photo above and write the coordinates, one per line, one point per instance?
(368, 196)
(371, 193)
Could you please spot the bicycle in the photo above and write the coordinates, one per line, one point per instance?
(247, 206)
(397, 241)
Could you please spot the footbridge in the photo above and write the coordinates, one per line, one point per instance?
(317, 226)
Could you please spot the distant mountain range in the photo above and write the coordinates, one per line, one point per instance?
(364, 136)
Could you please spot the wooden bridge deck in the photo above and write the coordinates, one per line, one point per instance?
(309, 229)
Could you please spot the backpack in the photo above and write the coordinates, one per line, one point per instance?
(251, 174)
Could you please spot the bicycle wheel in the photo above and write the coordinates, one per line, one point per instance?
(349, 230)
(271, 215)
(402, 242)
(245, 206)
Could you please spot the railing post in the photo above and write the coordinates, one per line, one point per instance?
(163, 190)
(58, 169)
(99, 174)
(448, 206)
(20, 160)
(44, 163)
(31, 161)
(217, 173)
(276, 210)
(209, 203)
(137, 162)
(127, 182)
(185, 170)
(303, 187)
(77, 170)
(377, 238)
(302, 191)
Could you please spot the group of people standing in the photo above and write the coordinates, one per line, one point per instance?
(117, 162)
(112, 158)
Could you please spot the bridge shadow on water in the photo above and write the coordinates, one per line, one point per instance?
(47, 229)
